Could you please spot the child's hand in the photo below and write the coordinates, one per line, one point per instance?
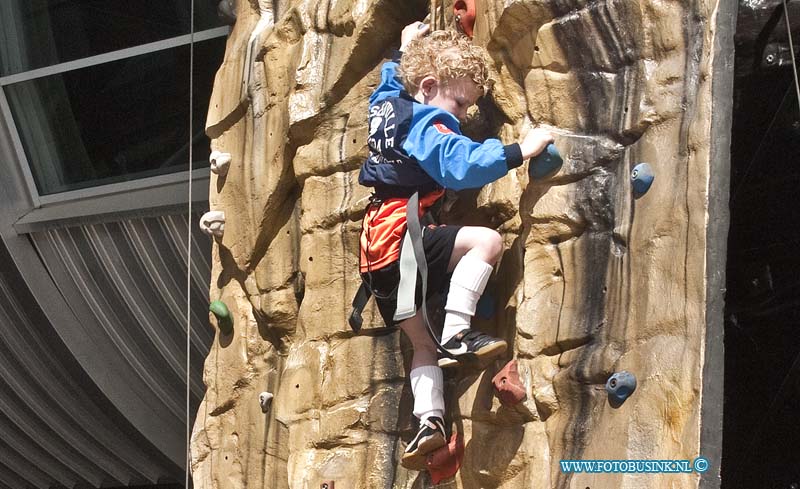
(411, 32)
(535, 142)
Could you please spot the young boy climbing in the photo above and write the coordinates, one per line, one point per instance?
(415, 145)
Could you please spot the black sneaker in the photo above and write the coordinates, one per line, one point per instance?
(472, 347)
(429, 437)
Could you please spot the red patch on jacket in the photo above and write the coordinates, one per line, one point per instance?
(442, 128)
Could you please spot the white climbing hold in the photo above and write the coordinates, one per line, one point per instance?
(265, 399)
(220, 162)
(213, 223)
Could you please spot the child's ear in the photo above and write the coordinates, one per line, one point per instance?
(428, 85)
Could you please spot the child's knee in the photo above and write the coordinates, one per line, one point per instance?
(483, 243)
(494, 244)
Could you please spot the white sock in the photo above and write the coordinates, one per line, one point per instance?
(427, 385)
(469, 280)
(454, 323)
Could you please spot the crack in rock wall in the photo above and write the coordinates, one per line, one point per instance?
(592, 281)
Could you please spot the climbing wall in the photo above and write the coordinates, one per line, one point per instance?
(594, 280)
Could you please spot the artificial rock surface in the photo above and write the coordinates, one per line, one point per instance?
(591, 282)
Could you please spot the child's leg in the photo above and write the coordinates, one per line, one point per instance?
(479, 242)
(426, 376)
(427, 385)
(476, 251)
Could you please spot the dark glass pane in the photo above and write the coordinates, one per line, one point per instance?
(117, 121)
(37, 33)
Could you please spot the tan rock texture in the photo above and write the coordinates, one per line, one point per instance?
(592, 281)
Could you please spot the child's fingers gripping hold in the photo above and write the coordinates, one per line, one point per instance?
(535, 142)
(413, 31)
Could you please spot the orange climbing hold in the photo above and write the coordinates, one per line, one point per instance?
(464, 14)
(507, 385)
(445, 462)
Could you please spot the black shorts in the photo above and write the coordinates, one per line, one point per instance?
(438, 243)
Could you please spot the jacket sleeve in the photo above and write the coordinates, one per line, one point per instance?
(454, 160)
(390, 85)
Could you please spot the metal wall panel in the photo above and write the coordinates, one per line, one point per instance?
(125, 282)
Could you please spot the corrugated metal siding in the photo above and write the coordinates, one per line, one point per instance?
(128, 280)
(126, 283)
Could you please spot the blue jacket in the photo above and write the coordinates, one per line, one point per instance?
(420, 147)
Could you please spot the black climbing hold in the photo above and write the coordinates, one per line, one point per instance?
(223, 315)
(641, 178)
(226, 10)
(546, 163)
(620, 386)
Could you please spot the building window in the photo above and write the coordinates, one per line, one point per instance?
(98, 90)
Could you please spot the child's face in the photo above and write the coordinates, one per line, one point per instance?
(454, 96)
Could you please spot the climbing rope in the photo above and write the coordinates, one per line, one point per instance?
(189, 250)
(757, 152)
(789, 378)
(791, 51)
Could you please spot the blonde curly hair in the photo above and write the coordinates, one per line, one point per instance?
(445, 55)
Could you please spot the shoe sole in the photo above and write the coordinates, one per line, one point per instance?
(417, 459)
(479, 357)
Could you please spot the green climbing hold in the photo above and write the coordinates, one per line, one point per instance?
(223, 315)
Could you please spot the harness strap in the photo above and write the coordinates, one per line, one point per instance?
(407, 289)
(412, 260)
(414, 231)
(359, 303)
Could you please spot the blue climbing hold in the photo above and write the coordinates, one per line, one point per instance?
(641, 178)
(486, 306)
(546, 163)
(620, 386)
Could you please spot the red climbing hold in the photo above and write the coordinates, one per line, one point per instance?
(464, 13)
(508, 386)
(445, 462)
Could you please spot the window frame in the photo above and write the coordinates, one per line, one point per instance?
(110, 193)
